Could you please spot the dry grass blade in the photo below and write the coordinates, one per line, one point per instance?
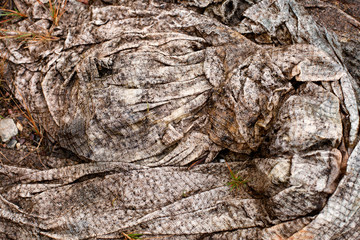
(10, 14)
(60, 10)
(26, 36)
(4, 157)
(7, 34)
(236, 181)
(56, 8)
(132, 236)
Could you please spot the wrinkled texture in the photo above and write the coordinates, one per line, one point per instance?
(142, 89)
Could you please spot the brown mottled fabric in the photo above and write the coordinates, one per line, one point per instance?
(142, 89)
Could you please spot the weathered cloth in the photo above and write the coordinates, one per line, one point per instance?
(142, 88)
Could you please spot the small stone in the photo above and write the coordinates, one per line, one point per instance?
(222, 160)
(18, 146)
(11, 144)
(19, 126)
(22, 140)
(8, 129)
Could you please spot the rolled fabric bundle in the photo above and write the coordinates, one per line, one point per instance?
(141, 90)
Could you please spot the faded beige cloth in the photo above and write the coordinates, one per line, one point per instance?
(143, 89)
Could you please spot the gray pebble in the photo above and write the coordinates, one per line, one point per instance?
(11, 144)
(8, 129)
